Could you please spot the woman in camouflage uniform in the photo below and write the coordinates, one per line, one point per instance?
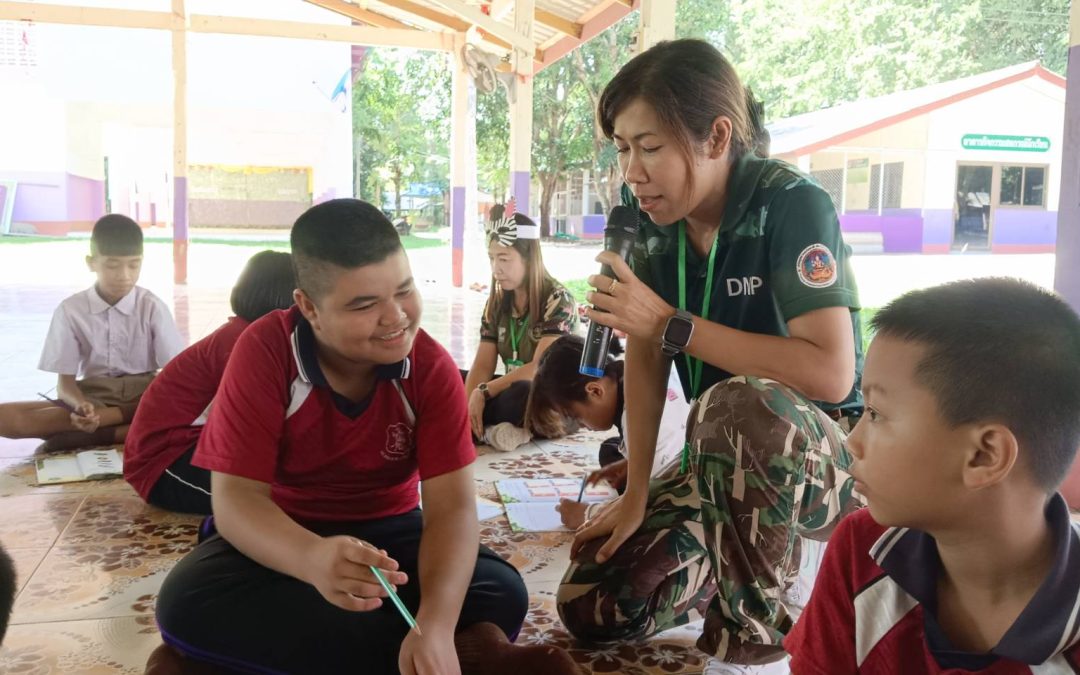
(740, 276)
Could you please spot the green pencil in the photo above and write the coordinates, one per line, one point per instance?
(396, 600)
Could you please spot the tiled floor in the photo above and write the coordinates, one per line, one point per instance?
(91, 556)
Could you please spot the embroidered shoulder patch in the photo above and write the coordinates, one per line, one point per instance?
(816, 266)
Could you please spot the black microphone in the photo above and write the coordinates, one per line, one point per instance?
(619, 237)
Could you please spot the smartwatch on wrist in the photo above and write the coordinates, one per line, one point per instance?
(483, 389)
(677, 333)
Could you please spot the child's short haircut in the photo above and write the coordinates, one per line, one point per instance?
(338, 235)
(557, 383)
(116, 235)
(266, 284)
(7, 591)
(999, 350)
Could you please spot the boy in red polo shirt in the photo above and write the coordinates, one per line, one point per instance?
(174, 408)
(966, 559)
(327, 417)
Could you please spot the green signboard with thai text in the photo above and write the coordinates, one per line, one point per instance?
(998, 142)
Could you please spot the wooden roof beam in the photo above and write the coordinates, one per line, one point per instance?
(593, 22)
(446, 20)
(359, 35)
(88, 16)
(559, 23)
(347, 9)
(489, 25)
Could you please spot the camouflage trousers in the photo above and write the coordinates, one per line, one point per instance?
(722, 540)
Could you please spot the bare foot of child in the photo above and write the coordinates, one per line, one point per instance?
(572, 512)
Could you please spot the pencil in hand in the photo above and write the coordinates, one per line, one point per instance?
(581, 492)
(59, 403)
(401, 608)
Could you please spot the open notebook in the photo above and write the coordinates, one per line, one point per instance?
(530, 502)
(86, 465)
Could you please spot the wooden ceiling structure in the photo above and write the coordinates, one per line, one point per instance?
(519, 36)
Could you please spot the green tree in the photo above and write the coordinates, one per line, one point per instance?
(802, 55)
(561, 138)
(595, 63)
(401, 107)
(493, 143)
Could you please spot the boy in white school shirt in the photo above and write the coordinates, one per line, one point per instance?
(104, 343)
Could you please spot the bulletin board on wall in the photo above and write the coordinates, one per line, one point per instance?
(7, 204)
(230, 196)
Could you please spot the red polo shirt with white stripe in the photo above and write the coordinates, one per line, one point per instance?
(872, 609)
(173, 409)
(276, 420)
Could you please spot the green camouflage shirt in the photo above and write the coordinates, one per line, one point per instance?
(780, 255)
(560, 317)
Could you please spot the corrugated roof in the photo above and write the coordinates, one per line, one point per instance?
(813, 131)
(558, 26)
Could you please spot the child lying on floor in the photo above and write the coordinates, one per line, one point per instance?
(560, 393)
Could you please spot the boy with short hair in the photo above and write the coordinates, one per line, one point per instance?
(327, 417)
(966, 558)
(104, 343)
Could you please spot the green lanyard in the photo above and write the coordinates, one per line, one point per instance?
(694, 366)
(515, 338)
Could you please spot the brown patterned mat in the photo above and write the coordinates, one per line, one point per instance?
(91, 556)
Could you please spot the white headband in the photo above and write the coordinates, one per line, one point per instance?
(506, 230)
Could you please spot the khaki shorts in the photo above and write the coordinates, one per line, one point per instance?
(123, 391)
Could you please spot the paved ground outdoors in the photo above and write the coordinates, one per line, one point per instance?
(91, 556)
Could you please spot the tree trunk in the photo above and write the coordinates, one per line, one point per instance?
(609, 194)
(548, 182)
(397, 190)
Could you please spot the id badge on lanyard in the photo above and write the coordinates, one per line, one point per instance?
(694, 366)
(513, 363)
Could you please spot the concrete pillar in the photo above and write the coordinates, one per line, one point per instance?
(1067, 272)
(657, 22)
(180, 121)
(462, 159)
(521, 109)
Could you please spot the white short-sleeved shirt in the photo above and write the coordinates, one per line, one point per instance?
(88, 337)
(672, 433)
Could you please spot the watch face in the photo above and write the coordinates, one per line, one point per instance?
(678, 331)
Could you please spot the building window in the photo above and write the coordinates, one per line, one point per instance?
(1022, 186)
(832, 181)
(893, 189)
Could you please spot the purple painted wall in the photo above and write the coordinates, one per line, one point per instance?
(56, 197)
(85, 198)
(593, 226)
(901, 229)
(519, 190)
(938, 226)
(457, 217)
(40, 197)
(457, 235)
(1019, 226)
(180, 208)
